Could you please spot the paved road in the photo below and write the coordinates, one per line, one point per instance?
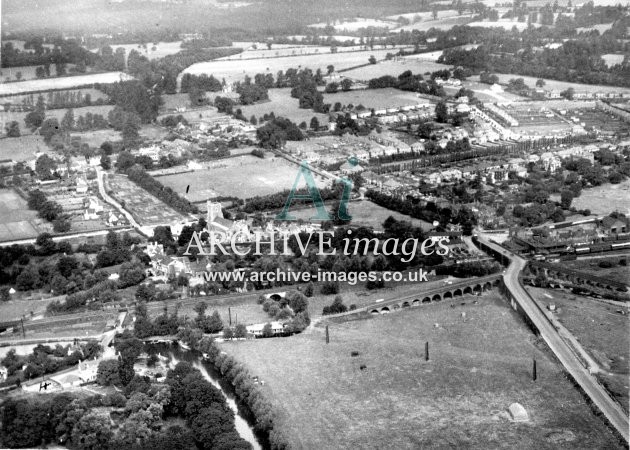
(598, 395)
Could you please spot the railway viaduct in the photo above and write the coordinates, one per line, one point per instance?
(473, 286)
(576, 276)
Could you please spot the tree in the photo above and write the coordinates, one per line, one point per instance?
(5, 293)
(314, 124)
(214, 324)
(106, 162)
(67, 122)
(228, 333)
(298, 303)
(346, 84)
(540, 83)
(566, 197)
(92, 432)
(330, 69)
(130, 133)
(568, 93)
(267, 330)
(240, 331)
(18, 76)
(441, 112)
(308, 290)
(107, 148)
(107, 373)
(13, 129)
(146, 292)
(336, 307)
(125, 161)
(49, 128)
(332, 88)
(329, 287)
(372, 59)
(34, 119)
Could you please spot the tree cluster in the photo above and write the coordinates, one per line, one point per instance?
(139, 176)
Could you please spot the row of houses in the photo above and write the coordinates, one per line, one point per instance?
(552, 161)
(492, 172)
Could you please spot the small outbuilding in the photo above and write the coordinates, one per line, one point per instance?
(518, 413)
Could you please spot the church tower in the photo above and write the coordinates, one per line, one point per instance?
(214, 211)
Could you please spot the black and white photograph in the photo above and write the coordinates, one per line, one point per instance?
(314, 224)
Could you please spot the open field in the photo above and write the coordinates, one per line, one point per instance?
(337, 37)
(16, 220)
(424, 15)
(356, 24)
(600, 330)
(162, 49)
(601, 28)
(97, 137)
(302, 50)
(557, 85)
(236, 70)
(618, 272)
(376, 98)
(243, 177)
(144, 207)
(613, 59)
(505, 24)
(95, 94)
(282, 104)
(364, 213)
(605, 199)
(103, 110)
(23, 307)
(480, 364)
(70, 82)
(394, 68)
(441, 23)
(22, 148)
(484, 93)
(28, 72)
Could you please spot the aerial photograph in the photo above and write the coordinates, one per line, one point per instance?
(298, 224)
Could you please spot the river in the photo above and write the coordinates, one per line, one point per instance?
(243, 420)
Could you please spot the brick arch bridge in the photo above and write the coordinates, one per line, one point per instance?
(275, 296)
(576, 277)
(473, 286)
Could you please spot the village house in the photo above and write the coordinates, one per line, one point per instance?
(550, 162)
(92, 208)
(610, 225)
(257, 329)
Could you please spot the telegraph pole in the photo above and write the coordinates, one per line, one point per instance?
(327, 335)
(426, 351)
(534, 375)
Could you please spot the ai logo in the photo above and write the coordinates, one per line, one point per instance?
(315, 196)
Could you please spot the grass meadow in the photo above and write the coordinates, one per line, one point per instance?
(600, 329)
(479, 365)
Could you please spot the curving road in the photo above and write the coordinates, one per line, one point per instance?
(589, 384)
